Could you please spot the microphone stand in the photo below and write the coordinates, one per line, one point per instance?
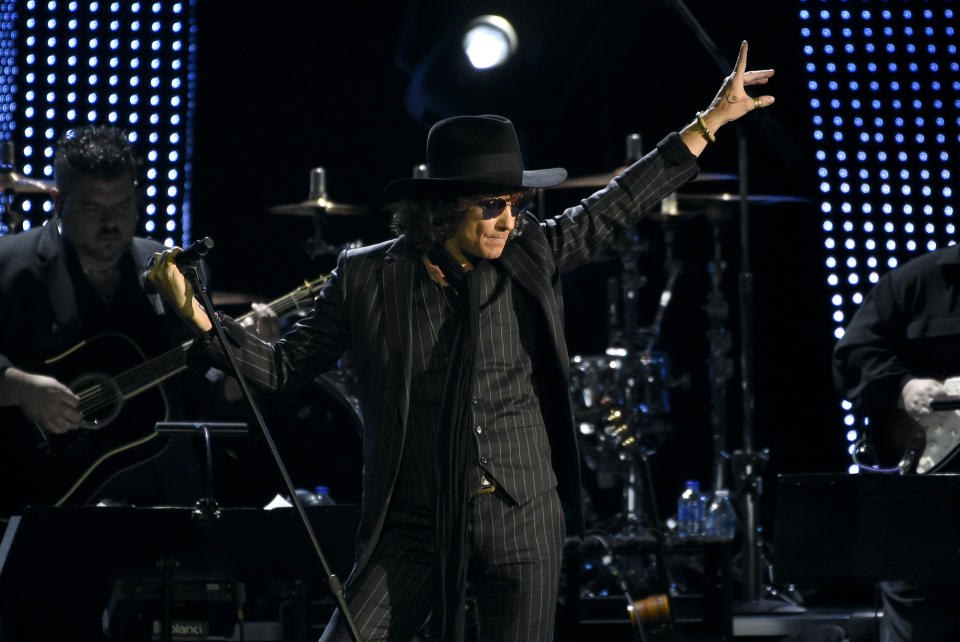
(195, 278)
(747, 463)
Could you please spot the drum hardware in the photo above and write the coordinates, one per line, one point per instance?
(622, 396)
(650, 617)
(602, 180)
(12, 183)
(719, 364)
(734, 199)
(320, 209)
(746, 464)
(634, 152)
(317, 201)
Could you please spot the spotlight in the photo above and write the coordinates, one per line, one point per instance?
(489, 41)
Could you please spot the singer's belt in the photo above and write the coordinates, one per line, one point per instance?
(486, 486)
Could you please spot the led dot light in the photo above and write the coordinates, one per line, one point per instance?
(9, 77)
(79, 63)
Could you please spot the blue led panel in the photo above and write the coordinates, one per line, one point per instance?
(8, 73)
(127, 64)
(884, 97)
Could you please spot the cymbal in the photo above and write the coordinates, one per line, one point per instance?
(234, 298)
(601, 180)
(20, 184)
(663, 216)
(319, 206)
(726, 197)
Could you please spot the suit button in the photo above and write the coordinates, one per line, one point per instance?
(483, 460)
(479, 429)
(475, 399)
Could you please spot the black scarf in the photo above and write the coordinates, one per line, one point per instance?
(455, 449)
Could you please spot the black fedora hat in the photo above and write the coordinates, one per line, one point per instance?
(474, 154)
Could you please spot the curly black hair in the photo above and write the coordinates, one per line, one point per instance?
(96, 151)
(429, 221)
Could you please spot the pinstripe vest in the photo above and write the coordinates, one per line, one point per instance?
(510, 440)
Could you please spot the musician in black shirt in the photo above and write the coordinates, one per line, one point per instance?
(77, 279)
(895, 355)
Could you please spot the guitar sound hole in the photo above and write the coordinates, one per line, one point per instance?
(100, 399)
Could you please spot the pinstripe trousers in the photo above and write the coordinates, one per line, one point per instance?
(515, 557)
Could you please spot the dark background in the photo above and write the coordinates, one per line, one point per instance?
(283, 87)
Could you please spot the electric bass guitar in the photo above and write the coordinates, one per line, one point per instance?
(923, 446)
(121, 401)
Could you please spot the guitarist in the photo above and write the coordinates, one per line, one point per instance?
(75, 278)
(897, 350)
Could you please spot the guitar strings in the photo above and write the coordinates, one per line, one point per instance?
(98, 396)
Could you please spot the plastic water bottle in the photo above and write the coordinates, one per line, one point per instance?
(323, 496)
(690, 511)
(319, 497)
(721, 519)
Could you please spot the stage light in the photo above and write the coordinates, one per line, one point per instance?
(489, 41)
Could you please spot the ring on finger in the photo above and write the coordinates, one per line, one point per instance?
(757, 103)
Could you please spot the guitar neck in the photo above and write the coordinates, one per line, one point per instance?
(153, 371)
(292, 302)
(164, 366)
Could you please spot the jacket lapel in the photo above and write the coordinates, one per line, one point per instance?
(397, 302)
(531, 278)
(53, 267)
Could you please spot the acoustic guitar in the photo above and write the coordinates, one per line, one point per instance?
(121, 400)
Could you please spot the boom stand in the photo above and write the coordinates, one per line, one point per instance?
(193, 275)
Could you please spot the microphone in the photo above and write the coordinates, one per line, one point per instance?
(192, 254)
(187, 259)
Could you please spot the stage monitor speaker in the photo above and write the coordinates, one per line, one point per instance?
(850, 529)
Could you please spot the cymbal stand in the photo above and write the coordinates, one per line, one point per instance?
(719, 363)
(317, 246)
(632, 280)
(622, 421)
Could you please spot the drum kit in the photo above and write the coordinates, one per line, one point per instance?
(623, 398)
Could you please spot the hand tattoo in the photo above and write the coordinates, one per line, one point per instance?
(732, 99)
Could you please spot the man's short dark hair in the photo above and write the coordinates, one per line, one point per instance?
(95, 151)
(428, 221)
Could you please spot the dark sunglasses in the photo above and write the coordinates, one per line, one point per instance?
(492, 208)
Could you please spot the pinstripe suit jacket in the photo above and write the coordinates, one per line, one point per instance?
(366, 307)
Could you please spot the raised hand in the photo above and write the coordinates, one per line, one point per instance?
(732, 101)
